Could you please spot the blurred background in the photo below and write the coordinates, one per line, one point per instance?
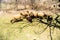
(27, 4)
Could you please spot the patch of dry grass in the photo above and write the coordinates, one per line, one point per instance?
(24, 30)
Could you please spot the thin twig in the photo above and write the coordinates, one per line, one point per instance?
(50, 33)
(42, 31)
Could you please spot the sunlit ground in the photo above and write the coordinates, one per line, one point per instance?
(25, 30)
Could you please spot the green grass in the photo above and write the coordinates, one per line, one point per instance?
(23, 30)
